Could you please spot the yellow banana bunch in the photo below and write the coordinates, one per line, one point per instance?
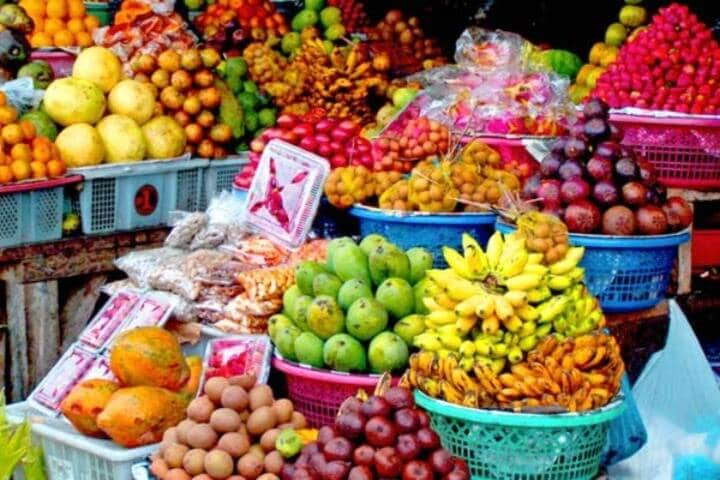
(475, 257)
(495, 247)
(571, 260)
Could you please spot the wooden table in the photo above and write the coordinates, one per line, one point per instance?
(51, 290)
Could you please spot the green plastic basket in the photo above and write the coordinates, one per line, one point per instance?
(101, 10)
(500, 445)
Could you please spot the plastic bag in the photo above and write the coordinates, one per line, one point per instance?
(491, 50)
(139, 265)
(185, 230)
(679, 400)
(22, 95)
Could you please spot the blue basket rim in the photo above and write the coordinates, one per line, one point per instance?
(617, 241)
(513, 419)
(397, 216)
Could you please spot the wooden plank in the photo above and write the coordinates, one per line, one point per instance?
(78, 308)
(661, 310)
(43, 328)
(19, 381)
(684, 268)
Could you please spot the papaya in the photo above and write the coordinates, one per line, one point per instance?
(137, 416)
(193, 382)
(149, 356)
(85, 402)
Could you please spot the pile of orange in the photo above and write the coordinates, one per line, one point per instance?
(60, 23)
(23, 155)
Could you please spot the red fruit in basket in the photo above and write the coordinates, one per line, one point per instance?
(340, 135)
(551, 164)
(335, 470)
(574, 189)
(428, 439)
(678, 212)
(286, 121)
(582, 217)
(618, 220)
(309, 144)
(571, 169)
(350, 425)
(651, 220)
(338, 160)
(441, 461)
(387, 462)
(317, 461)
(626, 170)
(531, 186)
(325, 434)
(380, 432)
(549, 191)
(339, 448)
(303, 130)
(417, 470)
(324, 150)
(325, 125)
(375, 406)
(647, 173)
(304, 473)
(610, 150)
(408, 447)
(363, 455)
(423, 418)
(361, 472)
(634, 193)
(406, 420)
(287, 472)
(606, 193)
(600, 167)
(457, 475)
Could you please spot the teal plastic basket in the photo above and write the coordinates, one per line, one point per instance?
(219, 175)
(500, 445)
(429, 230)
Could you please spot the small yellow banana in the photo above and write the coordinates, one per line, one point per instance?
(432, 305)
(524, 281)
(517, 298)
(568, 262)
(457, 262)
(439, 318)
(541, 270)
(482, 346)
(451, 342)
(577, 274)
(475, 258)
(499, 350)
(428, 341)
(464, 325)
(445, 301)
(494, 249)
(486, 306)
(468, 307)
(490, 325)
(513, 323)
(559, 282)
(503, 309)
(552, 308)
(535, 259)
(527, 328)
(528, 343)
(527, 313)
(467, 348)
(515, 355)
(498, 365)
(540, 294)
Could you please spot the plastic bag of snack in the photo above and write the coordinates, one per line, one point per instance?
(140, 265)
(171, 276)
(209, 237)
(492, 49)
(185, 229)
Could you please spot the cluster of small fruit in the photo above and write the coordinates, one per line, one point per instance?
(257, 114)
(632, 17)
(235, 428)
(328, 19)
(386, 436)
(188, 92)
(672, 65)
(60, 23)
(576, 374)
(420, 138)
(336, 140)
(353, 14)
(226, 22)
(594, 183)
(399, 94)
(23, 154)
(403, 41)
(347, 315)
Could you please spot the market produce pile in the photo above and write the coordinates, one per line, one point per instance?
(60, 23)
(355, 313)
(672, 65)
(494, 315)
(596, 185)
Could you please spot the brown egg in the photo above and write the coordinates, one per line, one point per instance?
(268, 476)
(261, 420)
(283, 410)
(298, 420)
(182, 429)
(274, 462)
(219, 464)
(260, 396)
(247, 381)
(173, 455)
(267, 440)
(159, 468)
(177, 474)
(225, 420)
(193, 461)
(170, 435)
(202, 436)
(200, 409)
(234, 443)
(250, 466)
(235, 397)
(214, 387)
(204, 476)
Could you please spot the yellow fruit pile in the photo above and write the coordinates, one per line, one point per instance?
(60, 23)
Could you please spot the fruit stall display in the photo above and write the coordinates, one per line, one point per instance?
(60, 23)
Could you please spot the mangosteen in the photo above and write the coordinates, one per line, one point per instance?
(551, 164)
(626, 170)
(576, 148)
(597, 130)
(571, 169)
(595, 108)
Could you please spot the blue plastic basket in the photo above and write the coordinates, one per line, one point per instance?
(499, 445)
(429, 230)
(627, 273)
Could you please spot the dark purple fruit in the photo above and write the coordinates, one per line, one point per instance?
(575, 148)
(558, 146)
(551, 164)
(595, 108)
(634, 194)
(582, 217)
(647, 173)
(609, 150)
(571, 169)
(399, 397)
(531, 186)
(600, 168)
(597, 130)
(606, 193)
(618, 220)
(574, 189)
(549, 191)
(616, 133)
(626, 170)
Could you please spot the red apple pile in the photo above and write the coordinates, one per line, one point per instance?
(384, 437)
(420, 138)
(598, 186)
(336, 140)
(672, 65)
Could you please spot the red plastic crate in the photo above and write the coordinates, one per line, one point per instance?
(705, 251)
(685, 150)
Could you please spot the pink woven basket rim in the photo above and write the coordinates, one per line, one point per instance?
(325, 375)
(684, 121)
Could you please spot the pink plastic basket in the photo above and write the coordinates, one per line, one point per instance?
(318, 394)
(60, 61)
(684, 150)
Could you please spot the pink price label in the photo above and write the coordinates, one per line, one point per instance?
(108, 321)
(67, 373)
(100, 368)
(150, 313)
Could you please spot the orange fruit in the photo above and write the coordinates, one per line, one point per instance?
(7, 115)
(39, 23)
(91, 23)
(54, 25)
(12, 134)
(75, 25)
(84, 39)
(4, 159)
(20, 170)
(57, 9)
(3, 99)
(41, 152)
(55, 152)
(56, 168)
(28, 129)
(21, 151)
(76, 8)
(64, 38)
(6, 175)
(41, 39)
(38, 169)
(34, 8)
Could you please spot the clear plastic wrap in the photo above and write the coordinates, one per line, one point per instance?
(492, 50)
(140, 264)
(21, 94)
(210, 236)
(172, 276)
(185, 230)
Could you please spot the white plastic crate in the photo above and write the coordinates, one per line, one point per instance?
(137, 195)
(219, 175)
(32, 212)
